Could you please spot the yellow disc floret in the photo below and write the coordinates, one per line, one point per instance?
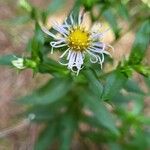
(78, 39)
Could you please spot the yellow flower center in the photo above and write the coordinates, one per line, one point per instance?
(78, 39)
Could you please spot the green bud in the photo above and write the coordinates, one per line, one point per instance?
(25, 5)
(127, 70)
(30, 63)
(88, 4)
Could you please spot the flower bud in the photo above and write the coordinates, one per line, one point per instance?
(18, 63)
(88, 4)
(30, 63)
(22, 63)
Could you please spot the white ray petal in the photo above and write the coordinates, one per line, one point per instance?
(107, 53)
(71, 19)
(100, 61)
(71, 60)
(97, 44)
(64, 53)
(79, 61)
(66, 24)
(96, 35)
(69, 54)
(81, 17)
(80, 58)
(61, 30)
(110, 47)
(52, 50)
(58, 44)
(94, 56)
(103, 58)
(45, 30)
(96, 50)
(58, 26)
(64, 64)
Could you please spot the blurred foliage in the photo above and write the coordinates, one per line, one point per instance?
(98, 99)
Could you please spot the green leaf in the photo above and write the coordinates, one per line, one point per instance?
(6, 60)
(112, 20)
(99, 136)
(53, 91)
(138, 101)
(75, 11)
(95, 86)
(35, 45)
(139, 142)
(147, 81)
(114, 83)
(39, 35)
(140, 44)
(120, 100)
(144, 120)
(45, 138)
(115, 146)
(19, 20)
(47, 112)
(144, 70)
(132, 86)
(50, 66)
(122, 10)
(55, 5)
(99, 111)
(90, 120)
(67, 128)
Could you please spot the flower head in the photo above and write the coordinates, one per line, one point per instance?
(18, 63)
(79, 42)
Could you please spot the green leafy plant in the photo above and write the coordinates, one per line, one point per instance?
(95, 98)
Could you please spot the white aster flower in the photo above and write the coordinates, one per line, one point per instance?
(18, 63)
(78, 41)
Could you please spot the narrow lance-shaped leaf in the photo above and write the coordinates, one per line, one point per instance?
(54, 90)
(47, 112)
(99, 111)
(6, 60)
(19, 20)
(68, 126)
(132, 86)
(46, 138)
(143, 69)
(140, 44)
(115, 146)
(55, 5)
(75, 10)
(51, 66)
(94, 83)
(37, 43)
(147, 82)
(138, 103)
(101, 136)
(114, 82)
(122, 10)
